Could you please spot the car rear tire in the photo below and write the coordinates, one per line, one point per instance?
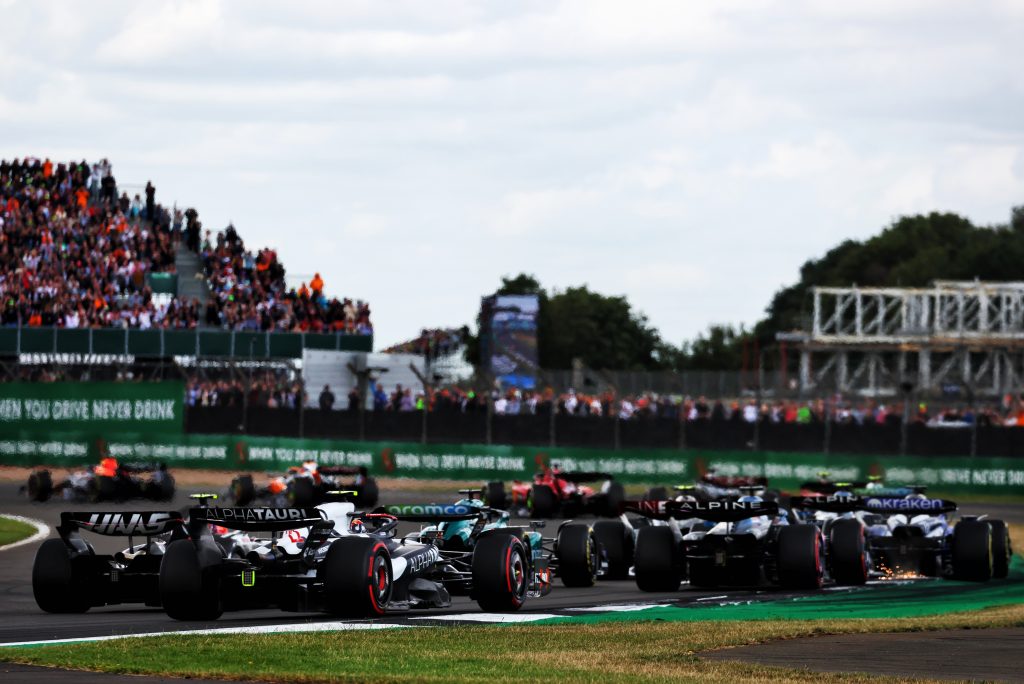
(103, 489)
(40, 486)
(55, 585)
(501, 573)
(1002, 551)
(578, 555)
(357, 576)
(848, 556)
(656, 494)
(972, 551)
(189, 588)
(543, 502)
(494, 495)
(301, 492)
(243, 491)
(615, 495)
(370, 494)
(658, 560)
(799, 557)
(616, 540)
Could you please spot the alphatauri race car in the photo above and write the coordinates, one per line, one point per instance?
(906, 536)
(556, 493)
(744, 542)
(574, 554)
(306, 485)
(108, 481)
(331, 558)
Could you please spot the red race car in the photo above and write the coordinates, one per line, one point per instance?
(554, 493)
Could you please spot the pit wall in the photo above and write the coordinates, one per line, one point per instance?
(480, 463)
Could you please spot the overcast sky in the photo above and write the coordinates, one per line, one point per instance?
(690, 155)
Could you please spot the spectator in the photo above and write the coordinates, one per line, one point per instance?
(326, 399)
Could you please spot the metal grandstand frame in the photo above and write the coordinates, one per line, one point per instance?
(956, 337)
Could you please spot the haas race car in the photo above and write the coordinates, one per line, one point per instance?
(744, 542)
(108, 481)
(331, 558)
(906, 535)
(555, 493)
(306, 485)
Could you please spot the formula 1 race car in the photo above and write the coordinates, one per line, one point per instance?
(68, 576)
(108, 481)
(906, 536)
(554, 493)
(332, 559)
(306, 485)
(745, 541)
(574, 554)
(710, 487)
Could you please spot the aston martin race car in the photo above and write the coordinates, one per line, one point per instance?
(331, 558)
(744, 542)
(906, 535)
(556, 493)
(107, 481)
(574, 554)
(305, 485)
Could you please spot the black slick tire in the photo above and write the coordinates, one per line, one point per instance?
(54, 583)
(616, 541)
(972, 551)
(243, 491)
(615, 495)
(658, 559)
(369, 495)
(578, 555)
(501, 573)
(799, 557)
(301, 492)
(1002, 551)
(40, 486)
(543, 502)
(494, 495)
(189, 589)
(848, 556)
(357, 577)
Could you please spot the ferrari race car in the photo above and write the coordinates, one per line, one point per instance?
(574, 554)
(330, 558)
(108, 481)
(555, 493)
(306, 485)
(906, 535)
(745, 541)
(70, 576)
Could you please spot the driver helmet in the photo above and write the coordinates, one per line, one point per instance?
(107, 468)
(357, 526)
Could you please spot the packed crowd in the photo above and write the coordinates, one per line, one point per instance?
(433, 343)
(248, 292)
(73, 254)
(266, 389)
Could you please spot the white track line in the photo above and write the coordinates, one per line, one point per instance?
(491, 617)
(42, 531)
(257, 629)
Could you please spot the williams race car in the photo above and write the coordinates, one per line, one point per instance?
(330, 558)
(306, 485)
(108, 481)
(555, 493)
(745, 541)
(906, 535)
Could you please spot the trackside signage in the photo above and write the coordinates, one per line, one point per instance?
(155, 408)
(482, 463)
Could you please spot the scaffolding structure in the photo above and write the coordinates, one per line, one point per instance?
(962, 338)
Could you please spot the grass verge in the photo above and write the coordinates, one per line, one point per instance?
(615, 652)
(14, 530)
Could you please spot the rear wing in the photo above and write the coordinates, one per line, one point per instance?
(342, 470)
(584, 476)
(121, 524)
(713, 511)
(252, 519)
(873, 504)
(831, 487)
(431, 512)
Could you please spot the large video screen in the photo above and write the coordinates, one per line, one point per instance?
(512, 347)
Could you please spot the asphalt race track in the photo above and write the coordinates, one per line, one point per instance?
(25, 622)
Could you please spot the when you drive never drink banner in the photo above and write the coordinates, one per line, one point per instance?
(99, 408)
(480, 463)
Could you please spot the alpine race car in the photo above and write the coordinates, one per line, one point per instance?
(330, 558)
(744, 542)
(574, 554)
(710, 487)
(108, 481)
(555, 493)
(306, 485)
(906, 535)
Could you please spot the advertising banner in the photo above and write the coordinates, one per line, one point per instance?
(481, 463)
(509, 338)
(99, 407)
